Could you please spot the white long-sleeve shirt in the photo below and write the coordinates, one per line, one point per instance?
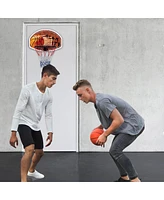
(30, 107)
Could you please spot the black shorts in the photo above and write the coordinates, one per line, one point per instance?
(29, 136)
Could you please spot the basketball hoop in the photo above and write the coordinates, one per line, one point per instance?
(45, 56)
(45, 42)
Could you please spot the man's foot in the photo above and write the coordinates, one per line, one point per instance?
(136, 180)
(122, 180)
(35, 174)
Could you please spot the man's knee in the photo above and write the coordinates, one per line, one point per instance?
(115, 153)
(29, 150)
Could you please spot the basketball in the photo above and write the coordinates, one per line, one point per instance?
(95, 134)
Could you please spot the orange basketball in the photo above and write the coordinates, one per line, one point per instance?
(95, 134)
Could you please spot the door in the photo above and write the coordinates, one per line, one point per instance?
(65, 104)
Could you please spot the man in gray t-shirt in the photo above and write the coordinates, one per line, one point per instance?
(105, 104)
(117, 117)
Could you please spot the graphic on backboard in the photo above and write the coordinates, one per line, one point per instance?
(45, 42)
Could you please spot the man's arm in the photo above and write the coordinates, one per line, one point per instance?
(21, 104)
(117, 121)
(49, 122)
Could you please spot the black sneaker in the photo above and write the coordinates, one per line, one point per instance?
(122, 180)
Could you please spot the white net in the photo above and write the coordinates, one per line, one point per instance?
(45, 56)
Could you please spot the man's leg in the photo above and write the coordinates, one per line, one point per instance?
(26, 161)
(123, 172)
(25, 133)
(35, 159)
(38, 140)
(123, 163)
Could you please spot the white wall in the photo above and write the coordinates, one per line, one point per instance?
(125, 57)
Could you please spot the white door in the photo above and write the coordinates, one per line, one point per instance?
(65, 104)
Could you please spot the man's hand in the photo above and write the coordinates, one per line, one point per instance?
(13, 140)
(49, 139)
(101, 140)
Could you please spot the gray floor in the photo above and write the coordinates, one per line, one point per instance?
(83, 167)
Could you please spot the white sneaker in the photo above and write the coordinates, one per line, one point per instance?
(35, 174)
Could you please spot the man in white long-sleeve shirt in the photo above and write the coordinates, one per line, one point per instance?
(34, 99)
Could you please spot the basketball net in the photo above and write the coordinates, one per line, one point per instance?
(45, 56)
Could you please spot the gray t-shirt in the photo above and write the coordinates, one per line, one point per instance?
(105, 104)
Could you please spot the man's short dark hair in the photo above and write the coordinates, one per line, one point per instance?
(50, 70)
(81, 83)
